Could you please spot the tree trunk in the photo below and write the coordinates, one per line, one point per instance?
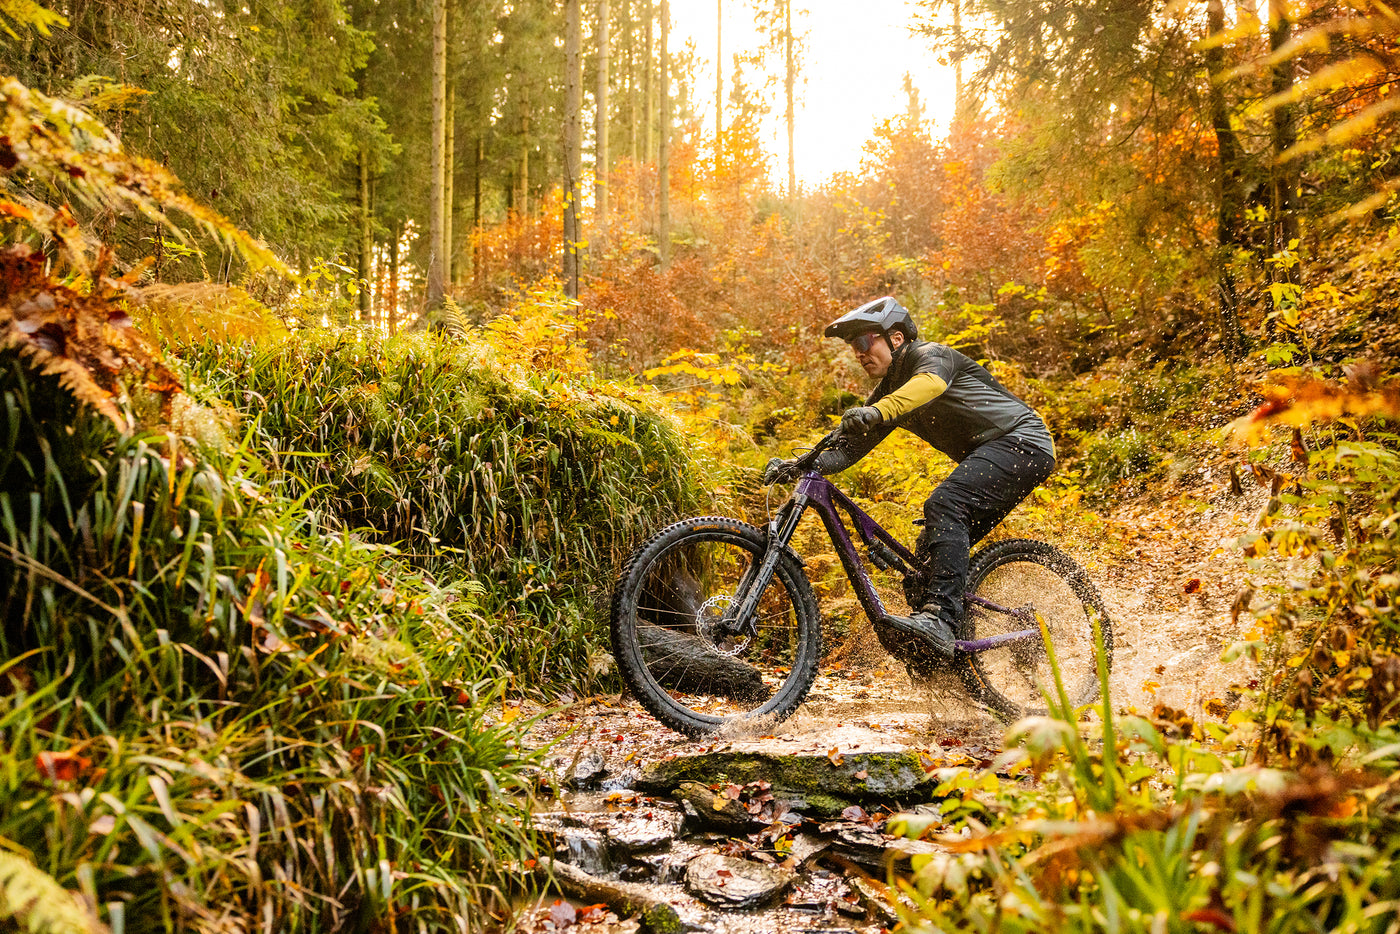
(522, 197)
(393, 310)
(789, 83)
(437, 159)
(683, 662)
(663, 170)
(633, 138)
(958, 102)
(648, 108)
(1284, 136)
(366, 239)
(600, 130)
(1229, 157)
(719, 82)
(449, 180)
(476, 208)
(573, 104)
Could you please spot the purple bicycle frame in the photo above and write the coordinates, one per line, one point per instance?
(815, 490)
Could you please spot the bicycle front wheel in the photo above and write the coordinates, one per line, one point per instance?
(1032, 578)
(675, 646)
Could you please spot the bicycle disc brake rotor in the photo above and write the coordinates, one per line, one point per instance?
(709, 623)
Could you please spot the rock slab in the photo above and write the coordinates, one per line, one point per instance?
(726, 882)
(824, 779)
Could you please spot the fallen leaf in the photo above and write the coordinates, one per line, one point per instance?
(562, 913)
(64, 766)
(834, 754)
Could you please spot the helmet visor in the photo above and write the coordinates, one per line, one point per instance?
(862, 343)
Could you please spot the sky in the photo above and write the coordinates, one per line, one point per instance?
(857, 52)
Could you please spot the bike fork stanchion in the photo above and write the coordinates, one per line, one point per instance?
(780, 530)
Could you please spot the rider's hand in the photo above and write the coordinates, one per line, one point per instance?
(860, 419)
(780, 471)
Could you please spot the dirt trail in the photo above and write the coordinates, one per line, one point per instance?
(1169, 595)
(1169, 589)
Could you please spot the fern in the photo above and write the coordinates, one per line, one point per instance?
(85, 340)
(50, 145)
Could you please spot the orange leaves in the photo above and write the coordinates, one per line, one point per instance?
(1300, 402)
(66, 766)
(83, 339)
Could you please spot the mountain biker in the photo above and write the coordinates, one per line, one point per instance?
(1002, 448)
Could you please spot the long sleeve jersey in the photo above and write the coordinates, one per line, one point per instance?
(947, 399)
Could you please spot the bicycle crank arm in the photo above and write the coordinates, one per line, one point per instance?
(974, 646)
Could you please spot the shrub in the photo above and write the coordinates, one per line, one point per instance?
(216, 711)
(534, 484)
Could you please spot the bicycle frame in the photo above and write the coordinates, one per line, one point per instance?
(815, 491)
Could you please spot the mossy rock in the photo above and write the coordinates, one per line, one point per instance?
(814, 780)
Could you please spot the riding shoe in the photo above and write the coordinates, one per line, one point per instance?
(926, 629)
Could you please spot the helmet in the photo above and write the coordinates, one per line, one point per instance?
(883, 315)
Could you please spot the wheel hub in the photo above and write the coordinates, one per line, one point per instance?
(712, 627)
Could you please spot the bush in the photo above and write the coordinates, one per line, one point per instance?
(532, 483)
(1119, 456)
(217, 712)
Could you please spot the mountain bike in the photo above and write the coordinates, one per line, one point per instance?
(714, 620)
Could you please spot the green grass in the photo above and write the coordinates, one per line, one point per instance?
(533, 485)
(218, 710)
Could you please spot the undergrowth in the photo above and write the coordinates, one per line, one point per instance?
(218, 712)
(1154, 826)
(531, 482)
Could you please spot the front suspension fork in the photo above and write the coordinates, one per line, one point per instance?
(744, 618)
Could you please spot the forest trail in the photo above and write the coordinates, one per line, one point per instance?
(1169, 595)
(1169, 592)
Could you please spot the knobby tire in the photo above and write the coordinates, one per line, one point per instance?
(629, 627)
(1009, 566)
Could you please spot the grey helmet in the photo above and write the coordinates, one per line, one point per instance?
(883, 315)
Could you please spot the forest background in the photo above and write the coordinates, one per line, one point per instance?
(279, 573)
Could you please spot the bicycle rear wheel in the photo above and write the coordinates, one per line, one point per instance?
(1020, 574)
(670, 643)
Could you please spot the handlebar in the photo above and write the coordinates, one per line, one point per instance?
(808, 459)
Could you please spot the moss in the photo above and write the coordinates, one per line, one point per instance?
(813, 778)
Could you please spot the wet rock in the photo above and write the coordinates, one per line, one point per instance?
(732, 883)
(626, 899)
(638, 833)
(656, 868)
(583, 848)
(806, 846)
(821, 779)
(590, 769)
(711, 811)
(868, 847)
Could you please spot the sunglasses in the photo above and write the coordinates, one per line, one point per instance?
(862, 343)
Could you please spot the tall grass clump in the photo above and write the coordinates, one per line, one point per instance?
(532, 482)
(218, 713)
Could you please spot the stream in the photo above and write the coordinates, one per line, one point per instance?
(779, 832)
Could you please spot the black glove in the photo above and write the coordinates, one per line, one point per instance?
(780, 471)
(860, 419)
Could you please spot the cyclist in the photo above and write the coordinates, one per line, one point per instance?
(1002, 448)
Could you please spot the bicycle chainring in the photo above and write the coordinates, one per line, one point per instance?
(709, 624)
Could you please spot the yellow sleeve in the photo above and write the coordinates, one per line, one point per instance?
(920, 389)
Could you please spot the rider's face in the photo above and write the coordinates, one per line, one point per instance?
(876, 357)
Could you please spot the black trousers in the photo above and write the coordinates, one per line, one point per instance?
(968, 504)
